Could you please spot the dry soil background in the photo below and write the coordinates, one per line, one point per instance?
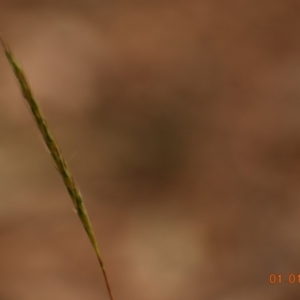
(181, 122)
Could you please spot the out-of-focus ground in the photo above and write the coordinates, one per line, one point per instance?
(181, 123)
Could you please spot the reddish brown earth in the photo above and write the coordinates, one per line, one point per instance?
(181, 122)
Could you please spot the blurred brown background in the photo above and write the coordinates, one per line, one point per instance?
(181, 123)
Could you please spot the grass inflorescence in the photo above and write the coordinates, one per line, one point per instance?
(56, 154)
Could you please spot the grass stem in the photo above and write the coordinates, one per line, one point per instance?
(56, 154)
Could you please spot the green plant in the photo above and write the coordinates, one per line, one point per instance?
(56, 154)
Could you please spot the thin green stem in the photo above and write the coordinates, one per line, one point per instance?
(56, 154)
